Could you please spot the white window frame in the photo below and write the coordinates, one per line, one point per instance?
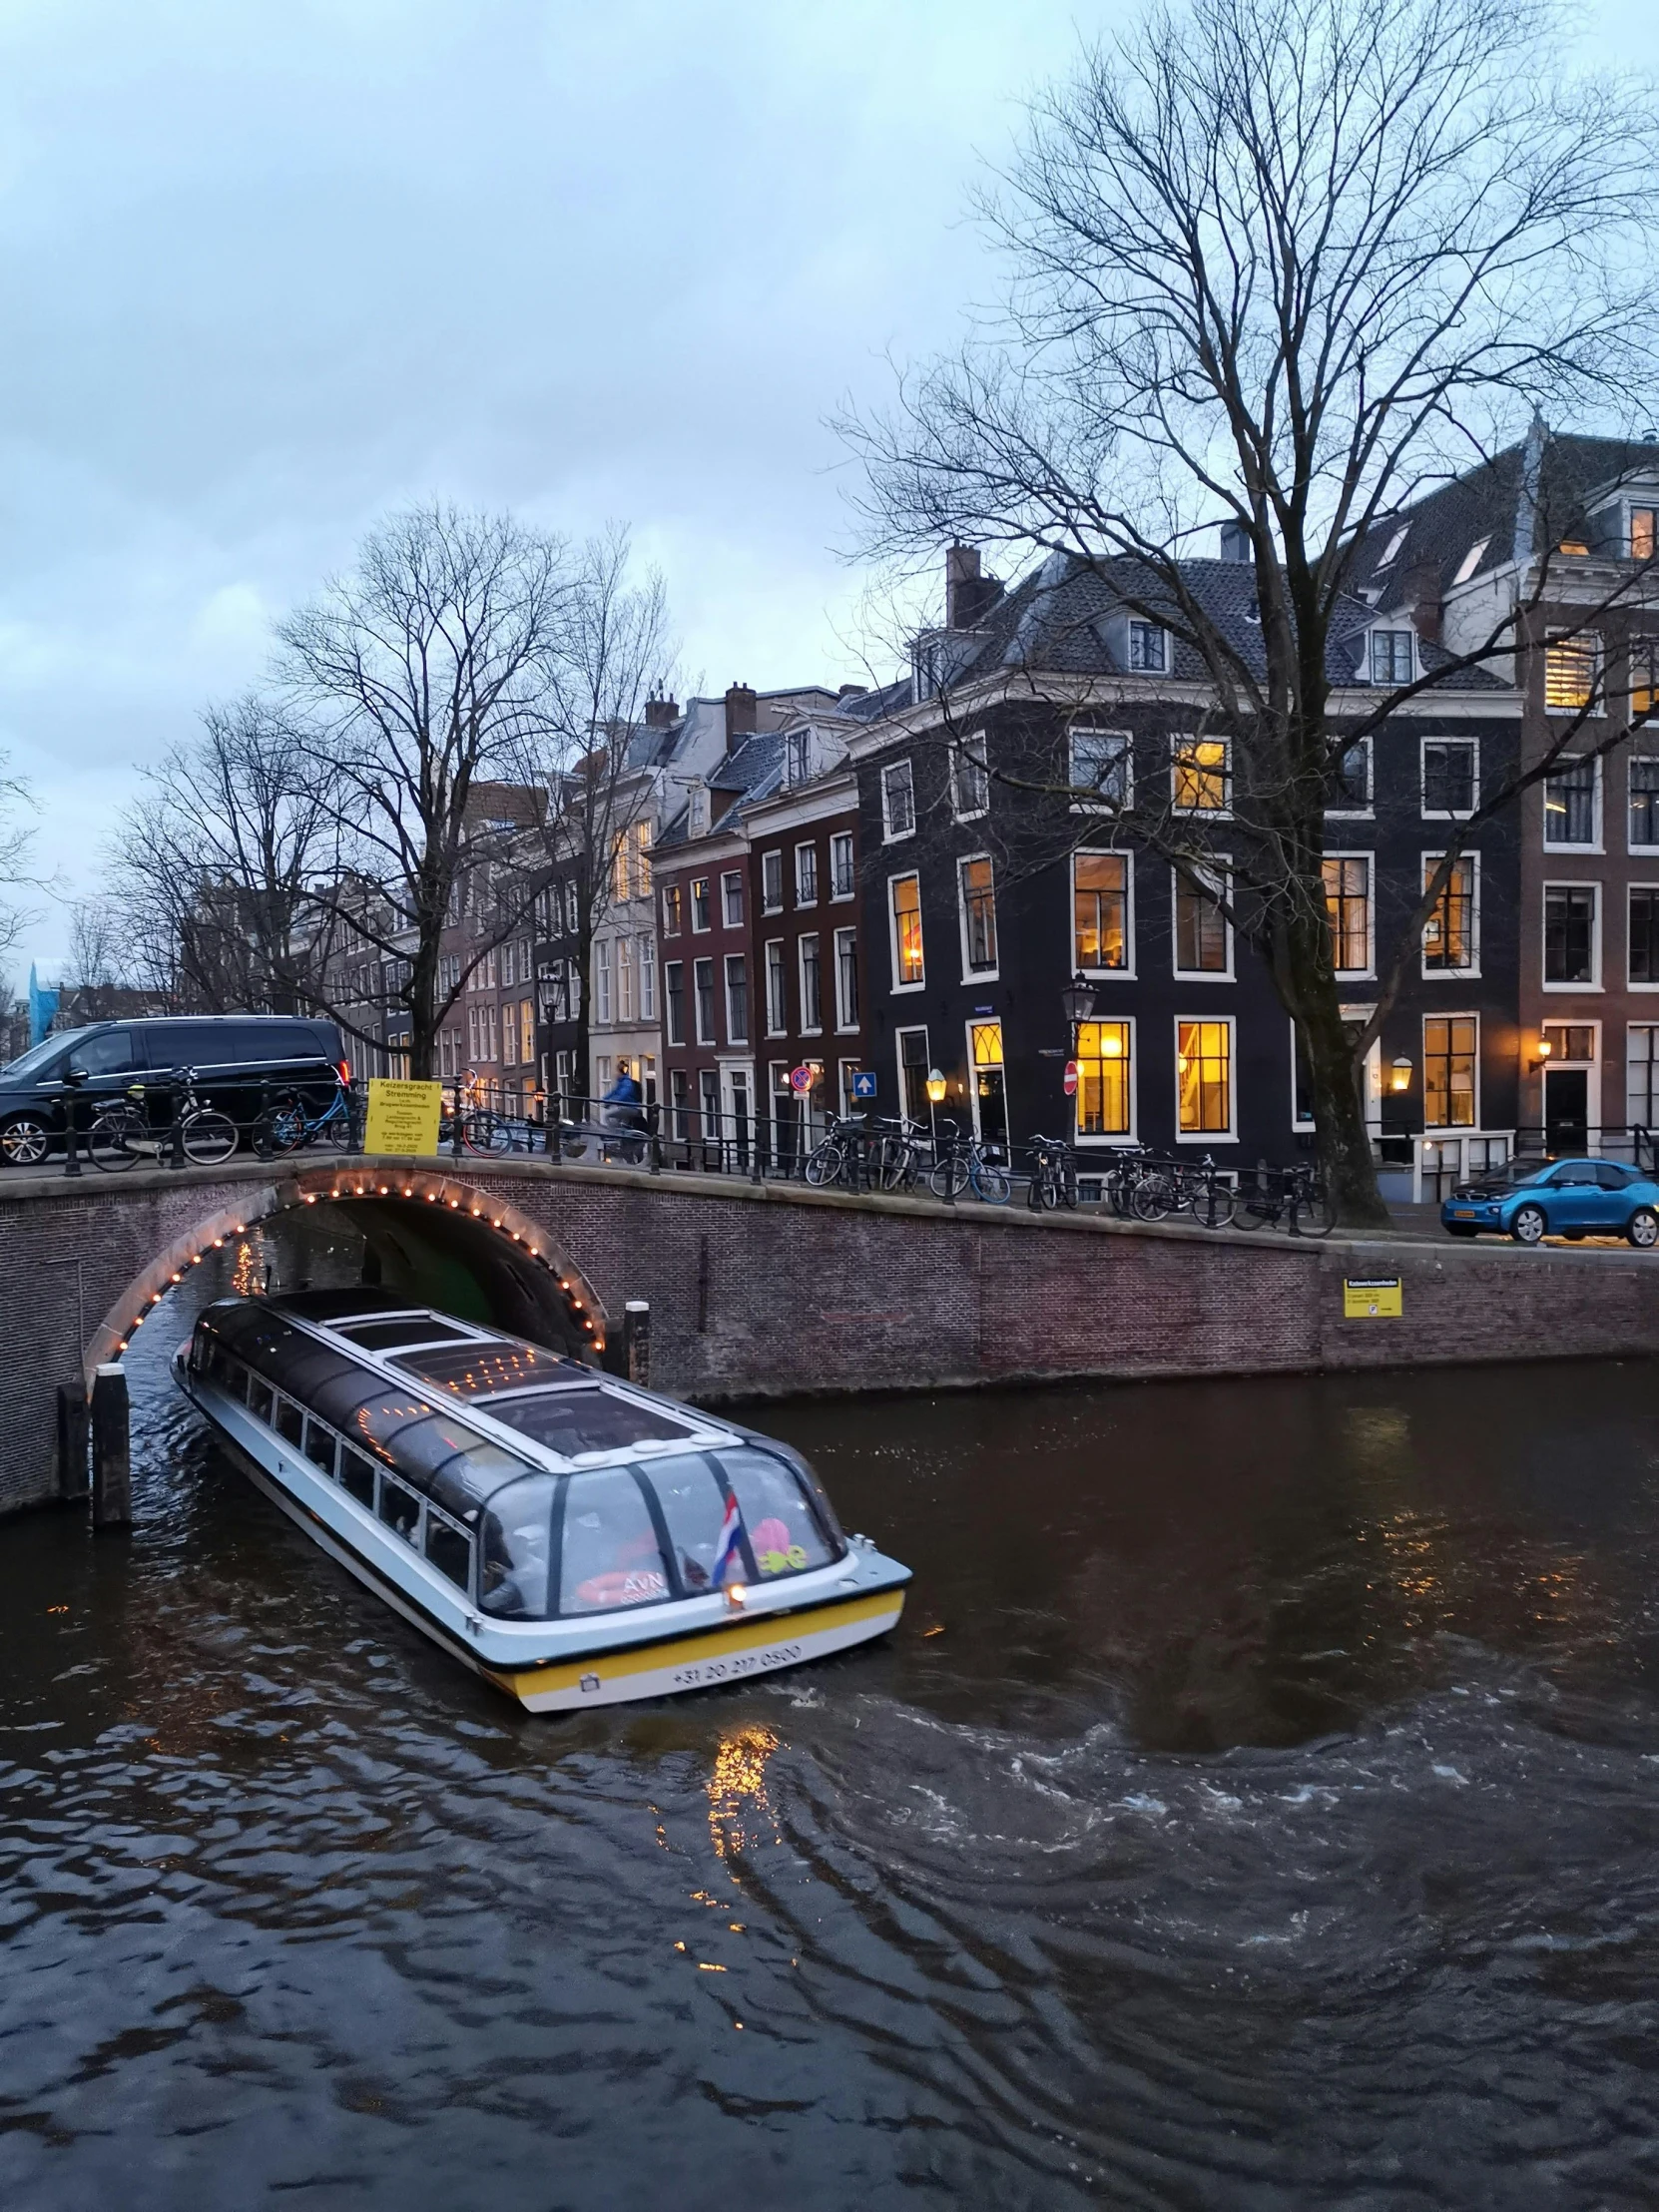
(1195, 975)
(845, 1027)
(1102, 806)
(707, 961)
(890, 835)
(1151, 629)
(769, 905)
(728, 877)
(920, 983)
(692, 883)
(1630, 761)
(781, 1027)
(959, 750)
(1360, 975)
(602, 1001)
(911, 1029)
(1598, 841)
(802, 900)
(1451, 1014)
(735, 1036)
(1413, 656)
(972, 976)
(1572, 884)
(674, 1036)
(1223, 812)
(840, 840)
(1637, 988)
(1630, 1029)
(1126, 973)
(1361, 813)
(647, 965)
(1105, 1140)
(625, 1005)
(1472, 974)
(816, 938)
(1447, 813)
(1208, 1136)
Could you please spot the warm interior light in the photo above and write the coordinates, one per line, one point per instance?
(1111, 1047)
(1544, 1048)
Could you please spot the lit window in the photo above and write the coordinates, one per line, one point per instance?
(1100, 766)
(1572, 671)
(1347, 902)
(1570, 805)
(1644, 677)
(1200, 931)
(1100, 911)
(898, 800)
(1105, 1079)
(1448, 935)
(1148, 649)
(1204, 1077)
(1449, 775)
(1391, 655)
(700, 902)
(971, 783)
(1570, 932)
(1642, 533)
(621, 874)
(907, 928)
(978, 916)
(1448, 1054)
(642, 858)
(1200, 771)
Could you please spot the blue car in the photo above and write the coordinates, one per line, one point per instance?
(1558, 1197)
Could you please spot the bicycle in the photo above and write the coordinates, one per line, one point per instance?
(962, 1167)
(286, 1125)
(121, 1134)
(897, 1152)
(837, 1155)
(1205, 1195)
(1053, 1175)
(1297, 1191)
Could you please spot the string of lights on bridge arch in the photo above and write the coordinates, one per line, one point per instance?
(575, 1307)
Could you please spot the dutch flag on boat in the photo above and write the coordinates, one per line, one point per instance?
(731, 1535)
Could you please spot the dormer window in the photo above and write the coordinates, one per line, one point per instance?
(1148, 649)
(1644, 532)
(1391, 655)
(1574, 548)
(1471, 560)
(1393, 545)
(697, 810)
(794, 747)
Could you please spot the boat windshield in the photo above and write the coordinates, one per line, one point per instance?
(592, 1543)
(572, 1422)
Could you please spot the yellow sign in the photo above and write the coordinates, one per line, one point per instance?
(403, 1117)
(1373, 1301)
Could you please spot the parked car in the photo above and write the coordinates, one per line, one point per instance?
(239, 1059)
(1558, 1197)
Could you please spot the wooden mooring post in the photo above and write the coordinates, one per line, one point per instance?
(635, 1341)
(112, 1451)
(74, 1444)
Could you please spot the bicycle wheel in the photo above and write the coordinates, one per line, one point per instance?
(1154, 1196)
(113, 1141)
(208, 1137)
(1314, 1215)
(949, 1177)
(994, 1185)
(824, 1165)
(895, 1164)
(284, 1126)
(1212, 1205)
(478, 1131)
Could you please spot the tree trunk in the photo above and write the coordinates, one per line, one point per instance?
(1339, 1108)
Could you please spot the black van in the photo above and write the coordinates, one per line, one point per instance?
(239, 1059)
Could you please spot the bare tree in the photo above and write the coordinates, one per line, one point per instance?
(212, 870)
(16, 844)
(1287, 263)
(590, 747)
(413, 683)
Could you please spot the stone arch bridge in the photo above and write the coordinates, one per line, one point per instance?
(761, 1290)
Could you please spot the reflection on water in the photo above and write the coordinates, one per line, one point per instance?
(1256, 1808)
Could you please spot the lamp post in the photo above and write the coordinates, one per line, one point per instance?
(1078, 1000)
(935, 1093)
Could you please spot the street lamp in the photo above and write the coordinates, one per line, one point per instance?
(1078, 1001)
(936, 1092)
(1401, 1074)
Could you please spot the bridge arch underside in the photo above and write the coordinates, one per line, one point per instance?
(428, 1240)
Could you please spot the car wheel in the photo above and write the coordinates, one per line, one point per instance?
(1528, 1225)
(24, 1142)
(1460, 1229)
(1643, 1229)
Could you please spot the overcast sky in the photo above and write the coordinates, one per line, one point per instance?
(271, 266)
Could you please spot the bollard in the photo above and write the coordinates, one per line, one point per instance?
(74, 1436)
(112, 1458)
(455, 1148)
(635, 1341)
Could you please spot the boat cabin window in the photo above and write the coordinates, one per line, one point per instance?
(399, 1508)
(261, 1400)
(319, 1446)
(232, 1379)
(477, 1368)
(467, 1478)
(782, 1528)
(403, 1328)
(356, 1476)
(289, 1420)
(593, 1419)
(449, 1549)
(516, 1548)
(610, 1556)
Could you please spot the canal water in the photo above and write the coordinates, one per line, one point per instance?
(1258, 1808)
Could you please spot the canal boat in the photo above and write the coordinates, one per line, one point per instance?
(573, 1538)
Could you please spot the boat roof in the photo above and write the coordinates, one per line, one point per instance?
(373, 1364)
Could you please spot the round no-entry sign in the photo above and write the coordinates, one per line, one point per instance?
(801, 1079)
(1071, 1079)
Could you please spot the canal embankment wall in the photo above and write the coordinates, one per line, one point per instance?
(771, 1289)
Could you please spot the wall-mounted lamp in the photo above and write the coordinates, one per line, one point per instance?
(1544, 1050)
(935, 1087)
(1400, 1074)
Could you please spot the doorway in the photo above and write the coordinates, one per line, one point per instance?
(990, 1105)
(1566, 1110)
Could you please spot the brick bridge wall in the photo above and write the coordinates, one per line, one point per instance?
(761, 1290)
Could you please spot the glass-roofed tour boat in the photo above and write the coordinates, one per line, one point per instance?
(573, 1538)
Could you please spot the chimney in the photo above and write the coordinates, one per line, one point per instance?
(1235, 542)
(1422, 589)
(661, 714)
(743, 715)
(968, 595)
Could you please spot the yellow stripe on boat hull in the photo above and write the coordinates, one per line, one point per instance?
(725, 1654)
